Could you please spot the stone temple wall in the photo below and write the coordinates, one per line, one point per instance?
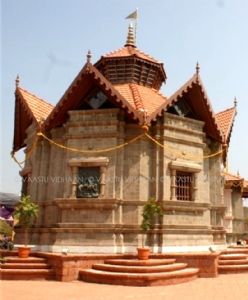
(128, 178)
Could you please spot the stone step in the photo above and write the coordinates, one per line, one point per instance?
(233, 269)
(233, 256)
(137, 262)
(140, 269)
(26, 274)
(138, 279)
(235, 250)
(25, 266)
(16, 259)
(233, 262)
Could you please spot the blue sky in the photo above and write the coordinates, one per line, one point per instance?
(46, 42)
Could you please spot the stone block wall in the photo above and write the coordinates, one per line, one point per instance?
(111, 223)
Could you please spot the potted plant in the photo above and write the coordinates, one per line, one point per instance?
(151, 211)
(25, 214)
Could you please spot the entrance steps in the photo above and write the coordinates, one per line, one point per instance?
(133, 272)
(15, 268)
(233, 261)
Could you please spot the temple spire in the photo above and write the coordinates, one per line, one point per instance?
(235, 102)
(130, 37)
(17, 81)
(132, 29)
(89, 56)
(197, 68)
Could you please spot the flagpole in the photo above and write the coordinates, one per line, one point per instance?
(133, 20)
(136, 25)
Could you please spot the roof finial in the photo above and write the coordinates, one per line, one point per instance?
(238, 173)
(89, 56)
(197, 68)
(130, 36)
(17, 81)
(235, 102)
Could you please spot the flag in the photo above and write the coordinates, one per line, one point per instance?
(133, 15)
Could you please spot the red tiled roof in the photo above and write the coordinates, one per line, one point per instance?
(38, 107)
(141, 97)
(130, 51)
(225, 120)
(246, 184)
(231, 177)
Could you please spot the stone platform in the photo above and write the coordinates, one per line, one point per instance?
(139, 273)
(233, 260)
(15, 268)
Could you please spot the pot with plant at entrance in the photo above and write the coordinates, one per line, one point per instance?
(151, 211)
(25, 214)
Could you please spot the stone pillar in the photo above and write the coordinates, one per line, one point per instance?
(74, 182)
(173, 184)
(195, 188)
(102, 181)
(113, 215)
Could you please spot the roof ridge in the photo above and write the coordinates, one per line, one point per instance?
(136, 96)
(37, 97)
(148, 55)
(133, 51)
(113, 52)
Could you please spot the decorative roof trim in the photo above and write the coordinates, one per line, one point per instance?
(107, 86)
(179, 93)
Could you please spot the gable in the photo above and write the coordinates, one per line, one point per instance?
(87, 80)
(225, 119)
(193, 94)
(28, 109)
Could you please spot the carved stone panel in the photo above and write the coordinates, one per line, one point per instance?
(88, 183)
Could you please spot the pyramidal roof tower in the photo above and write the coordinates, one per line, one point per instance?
(131, 65)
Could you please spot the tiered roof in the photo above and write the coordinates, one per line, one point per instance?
(134, 94)
(129, 64)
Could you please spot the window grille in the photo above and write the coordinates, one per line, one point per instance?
(184, 186)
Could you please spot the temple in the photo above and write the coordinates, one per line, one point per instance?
(112, 142)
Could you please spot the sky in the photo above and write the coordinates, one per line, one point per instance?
(46, 43)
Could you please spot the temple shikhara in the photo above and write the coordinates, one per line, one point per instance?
(112, 142)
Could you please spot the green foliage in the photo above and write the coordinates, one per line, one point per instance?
(26, 212)
(151, 210)
(5, 228)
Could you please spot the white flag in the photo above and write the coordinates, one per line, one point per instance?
(133, 15)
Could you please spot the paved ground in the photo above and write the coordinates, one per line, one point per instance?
(225, 287)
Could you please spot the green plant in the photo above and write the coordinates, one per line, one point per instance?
(151, 210)
(5, 228)
(25, 214)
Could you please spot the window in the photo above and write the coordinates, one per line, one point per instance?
(97, 100)
(184, 186)
(184, 177)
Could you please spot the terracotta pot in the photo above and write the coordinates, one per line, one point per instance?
(23, 252)
(143, 253)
